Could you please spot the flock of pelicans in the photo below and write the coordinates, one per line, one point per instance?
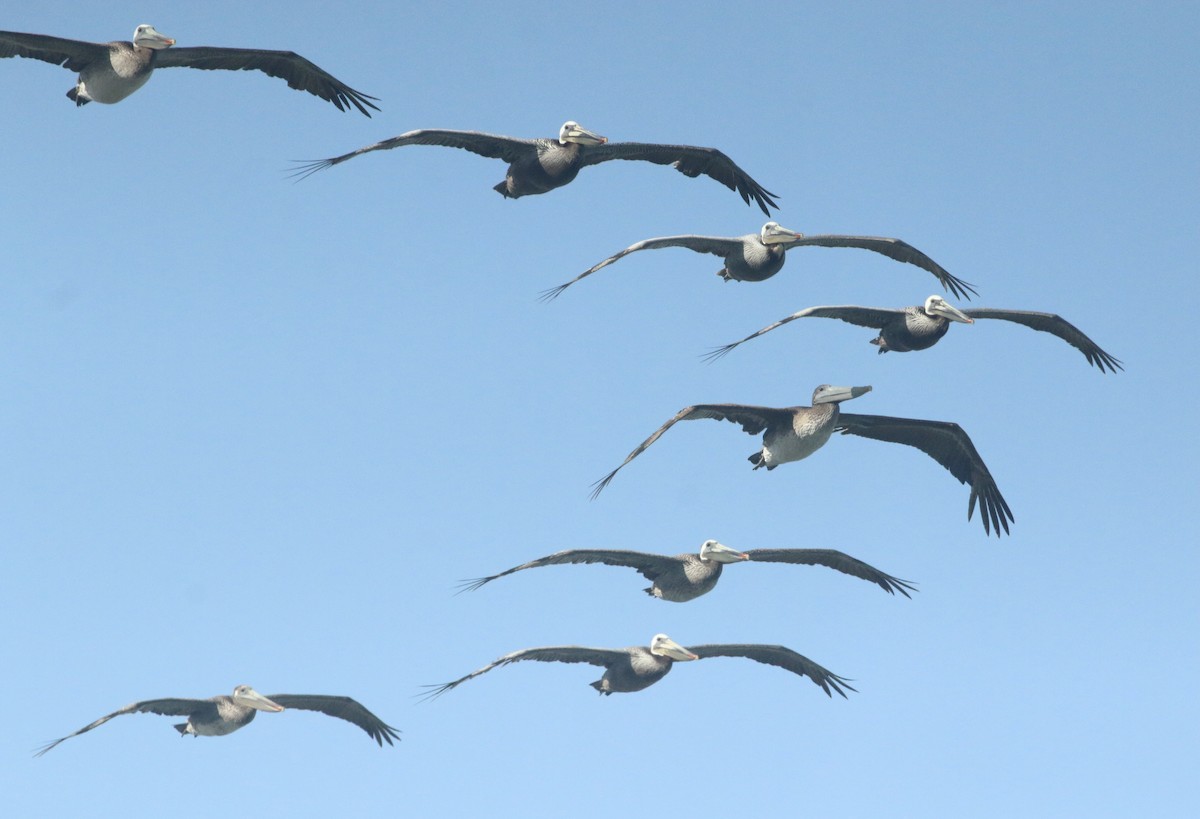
(110, 72)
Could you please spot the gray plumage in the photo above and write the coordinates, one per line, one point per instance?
(921, 326)
(638, 667)
(110, 72)
(758, 256)
(221, 715)
(687, 576)
(794, 433)
(541, 165)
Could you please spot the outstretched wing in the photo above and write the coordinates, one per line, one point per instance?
(549, 654)
(834, 559)
(166, 707)
(648, 565)
(343, 708)
(781, 657)
(753, 420)
(689, 161)
(1055, 325)
(299, 73)
(875, 317)
(74, 55)
(894, 249)
(477, 142)
(949, 445)
(716, 245)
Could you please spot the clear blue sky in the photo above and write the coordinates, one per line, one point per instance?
(254, 431)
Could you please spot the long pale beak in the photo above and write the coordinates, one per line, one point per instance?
(672, 649)
(583, 136)
(838, 394)
(779, 235)
(258, 701)
(724, 554)
(947, 310)
(153, 39)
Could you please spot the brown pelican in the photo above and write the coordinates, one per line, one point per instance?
(687, 576)
(541, 165)
(110, 72)
(794, 433)
(758, 256)
(638, 667)
(919, 328)
(218, 716)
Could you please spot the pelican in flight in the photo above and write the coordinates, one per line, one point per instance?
(638, 667)
(541, 165)
(794, 433)
(218, 716)
(920, 327)
(758, 256)
(110, 72)
(687, 576)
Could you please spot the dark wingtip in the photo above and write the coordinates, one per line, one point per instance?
(307, 167)
(599, 485)
(717, 353)
(547, 296)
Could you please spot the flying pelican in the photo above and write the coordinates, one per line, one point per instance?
(541, 165)
(638, 667)
(920, 327)
(687, 576)
(218, 716)
(794, 433)
(110, 72)
(758, 256)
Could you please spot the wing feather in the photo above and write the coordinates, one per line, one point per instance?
(549, 654)
(344, 708)
(167, 707)
(875, 317)
(648, 565)
(896, 249)
(780, 657)
(840, 561)
(1055, 325)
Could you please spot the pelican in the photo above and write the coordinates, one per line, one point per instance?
(794, 433)
(758, 256)
(920, 327)
(638, 667)
(687, 576)
(541, 165)
(221, 715)
(110, 72)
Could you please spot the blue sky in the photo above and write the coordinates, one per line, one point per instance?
(256, 430)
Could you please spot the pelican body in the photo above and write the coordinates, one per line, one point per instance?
(638, 667)
(110, 72)
(794, 433)
(541, 165)
(920, 327)
(759, 256)
(687, 576)
(221, 715)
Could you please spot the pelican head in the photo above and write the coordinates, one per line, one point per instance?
(572, 131)
(246, 696)
(714, 550)
(144, 36)
(664, 646)
(828, 394)
(774, 233)
(937, 306)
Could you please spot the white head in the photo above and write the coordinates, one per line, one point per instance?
(773, 233)
(715, 550)
(572, 131)
(144, 36)
(664, 646)
(247, 697)
(938, 306)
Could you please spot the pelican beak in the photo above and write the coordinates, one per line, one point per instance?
(583, 136)
(834, 395)
(258, 701)
(946, 310)
(150, 38)
(669, 648)
(723, 554)
(777, 234)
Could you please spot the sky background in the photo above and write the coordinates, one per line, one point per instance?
(254, 431)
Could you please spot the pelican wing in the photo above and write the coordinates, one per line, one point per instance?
(286, 65)
(550, 654)
(1055, 325)
(894, 249)
(477, 142)
(875, 317)
(689, 161)
(648, 565)
(778, 656)
(950, 446)
(752, 419)
(74, 55)
(834, 559)
(716, 245)
(166, 707)
(343, 708)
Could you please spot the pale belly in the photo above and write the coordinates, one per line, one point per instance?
(781, 449)
(107, 87)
